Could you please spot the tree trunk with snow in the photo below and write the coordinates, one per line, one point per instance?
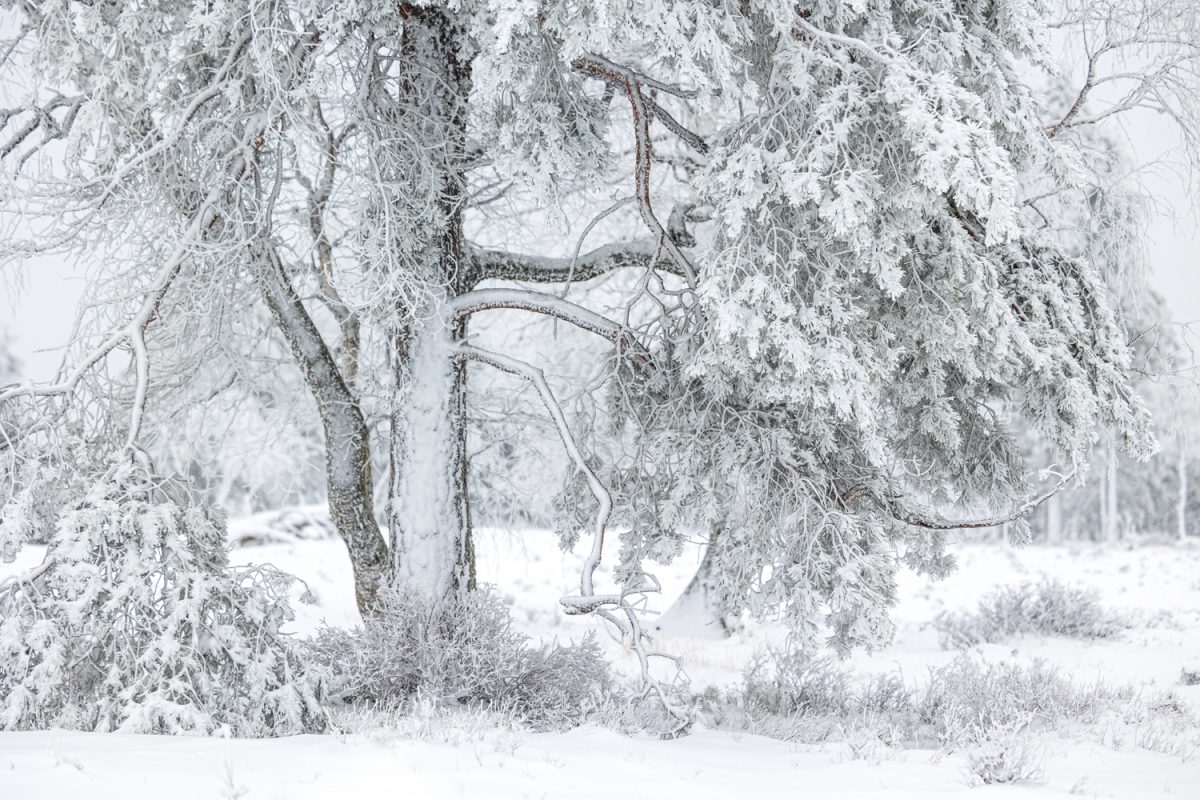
(347, 440)
(429, 519)
(697, 612)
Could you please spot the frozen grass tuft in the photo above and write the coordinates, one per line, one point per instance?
(1049, 608)
(464, 655)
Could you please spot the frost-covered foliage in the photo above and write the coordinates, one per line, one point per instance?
(1048, 608)
(463, 654)
(136, 623)
(821, 278)
(969, 699)
(793, 695)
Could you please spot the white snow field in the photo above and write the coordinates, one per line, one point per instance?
(1155, 589)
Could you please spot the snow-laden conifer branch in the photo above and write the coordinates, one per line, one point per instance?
(896, 509)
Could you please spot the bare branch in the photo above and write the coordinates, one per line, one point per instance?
(640, 105)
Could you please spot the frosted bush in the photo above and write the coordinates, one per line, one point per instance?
(796, 696)
(969, 699)
(1049, 608)
(136, 623)
(783, 681)
(460, 654)
(1005, 757)
(792, 694)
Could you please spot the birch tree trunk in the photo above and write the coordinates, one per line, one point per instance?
(1181, 468)
(347, 445)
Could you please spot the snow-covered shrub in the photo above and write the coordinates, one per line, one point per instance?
(785, 681)
(969, 699)
(1005, 757)
(1049, 608)
(460, 653)
(136, 623)
(794, 695)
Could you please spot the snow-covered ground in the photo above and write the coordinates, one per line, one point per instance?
(1156, 588)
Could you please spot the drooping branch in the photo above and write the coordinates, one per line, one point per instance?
(896, 509)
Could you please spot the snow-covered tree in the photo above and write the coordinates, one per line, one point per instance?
(137, 625)
(824, 282)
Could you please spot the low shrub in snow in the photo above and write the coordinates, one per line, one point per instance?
(1190, 675)
(969, 699)
(460, 654)
(136, 623)
(796, 696)
(1048, 608)
(1005, 756)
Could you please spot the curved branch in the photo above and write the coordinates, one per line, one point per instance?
(536, 377)
(588, 602)
(918, 519)
(542, 303)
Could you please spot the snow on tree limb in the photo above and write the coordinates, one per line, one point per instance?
(504, 265)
